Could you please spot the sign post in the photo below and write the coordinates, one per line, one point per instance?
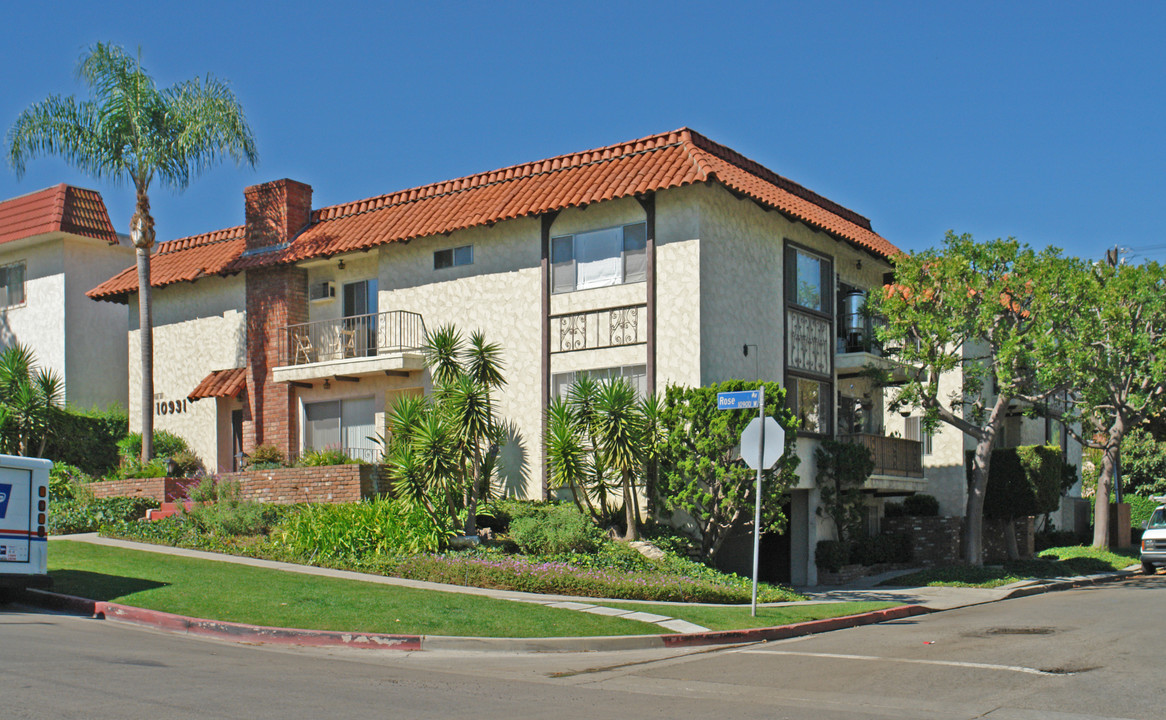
(762, 456)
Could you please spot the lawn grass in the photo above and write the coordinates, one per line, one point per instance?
(737, 617)
(259, 596)
(1054, 562)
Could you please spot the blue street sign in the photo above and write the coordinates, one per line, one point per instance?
(740, 400)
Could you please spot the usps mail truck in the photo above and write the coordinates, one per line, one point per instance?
(24, 510)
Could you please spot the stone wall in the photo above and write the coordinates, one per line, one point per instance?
(934, 540)
(161, 489)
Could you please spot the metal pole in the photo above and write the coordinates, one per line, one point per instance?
(757, 498)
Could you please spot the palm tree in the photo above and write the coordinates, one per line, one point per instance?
(619, 430)
(131, 130)
(27, 396)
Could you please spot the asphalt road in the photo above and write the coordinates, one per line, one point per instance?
(1078, 654)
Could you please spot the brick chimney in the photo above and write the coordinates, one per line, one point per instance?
(275, 212)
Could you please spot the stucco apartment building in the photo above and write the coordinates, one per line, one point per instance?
(668, 259)
(56, 244)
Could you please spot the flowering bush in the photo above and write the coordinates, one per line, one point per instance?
(558, 577)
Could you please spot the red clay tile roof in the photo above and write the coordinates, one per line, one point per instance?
(659, 162)
(61, 208)
(220, 383)
(177, 261)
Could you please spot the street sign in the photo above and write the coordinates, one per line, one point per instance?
(740, 400)
(751, 442)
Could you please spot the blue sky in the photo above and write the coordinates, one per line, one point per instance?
(1039, 120)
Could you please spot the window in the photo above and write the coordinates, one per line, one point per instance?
(635, 375)
(855, 416)
(453, 257)
(913, 430)
(809, 280)
(345, 424)
(12, 284)
(811, 403)
(599, 258)
(810, 346)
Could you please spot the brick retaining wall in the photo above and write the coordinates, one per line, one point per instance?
(281, 486)
(328, 483)
(161, 489)
(934, 540)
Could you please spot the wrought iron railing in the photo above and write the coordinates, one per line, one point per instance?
(603, 328)
(353, 337)
(891, 455)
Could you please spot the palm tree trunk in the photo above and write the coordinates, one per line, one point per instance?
(142, 234)
(629, 508)
(146, 341)
(472, 505)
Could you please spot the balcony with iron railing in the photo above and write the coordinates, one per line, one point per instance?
(388, 342)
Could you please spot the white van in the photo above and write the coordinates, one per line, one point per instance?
(1154, 538)
(24, 509)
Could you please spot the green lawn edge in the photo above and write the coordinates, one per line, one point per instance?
(1054, 562)
(216, 590)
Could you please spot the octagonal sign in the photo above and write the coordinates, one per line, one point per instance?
(774, 443)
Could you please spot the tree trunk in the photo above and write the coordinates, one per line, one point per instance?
(974, 511)
(1104, 485)
(1010, 539)
(142, 233)
(629, 508)
(472, 505)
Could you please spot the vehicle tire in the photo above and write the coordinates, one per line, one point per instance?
(1148, 568)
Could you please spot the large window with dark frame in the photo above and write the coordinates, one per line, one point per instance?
(809, 342)
(599, 258)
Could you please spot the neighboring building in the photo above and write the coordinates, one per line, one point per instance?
(55, 244)
(670, 259)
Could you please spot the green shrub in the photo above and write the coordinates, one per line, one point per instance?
(831, 555)
(327, 456)
(266, 457)
(1141, 508)
(166, 445)
(920, 505)
(64, 479)
(556, 529)
(133, 468)
(75, 516)
(353, 530)
(86, 439)
(187, 463)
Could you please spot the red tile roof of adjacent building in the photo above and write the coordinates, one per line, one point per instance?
(61, 208)
(221, 383)
(659, 162)
(178, 261)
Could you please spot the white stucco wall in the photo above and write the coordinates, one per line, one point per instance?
(498, 294)
(95, 352)
(198, 328)
(39, 323)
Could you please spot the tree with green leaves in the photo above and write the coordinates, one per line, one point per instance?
(972, 312)
(1111, 353)
(701, 471)
(129, 130)
(843, 468)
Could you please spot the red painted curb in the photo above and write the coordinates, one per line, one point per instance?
(782, 632)
(236, 632)
(239, 632)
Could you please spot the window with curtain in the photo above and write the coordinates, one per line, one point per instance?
(599, 258)
(12, 284)
(346, 424)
